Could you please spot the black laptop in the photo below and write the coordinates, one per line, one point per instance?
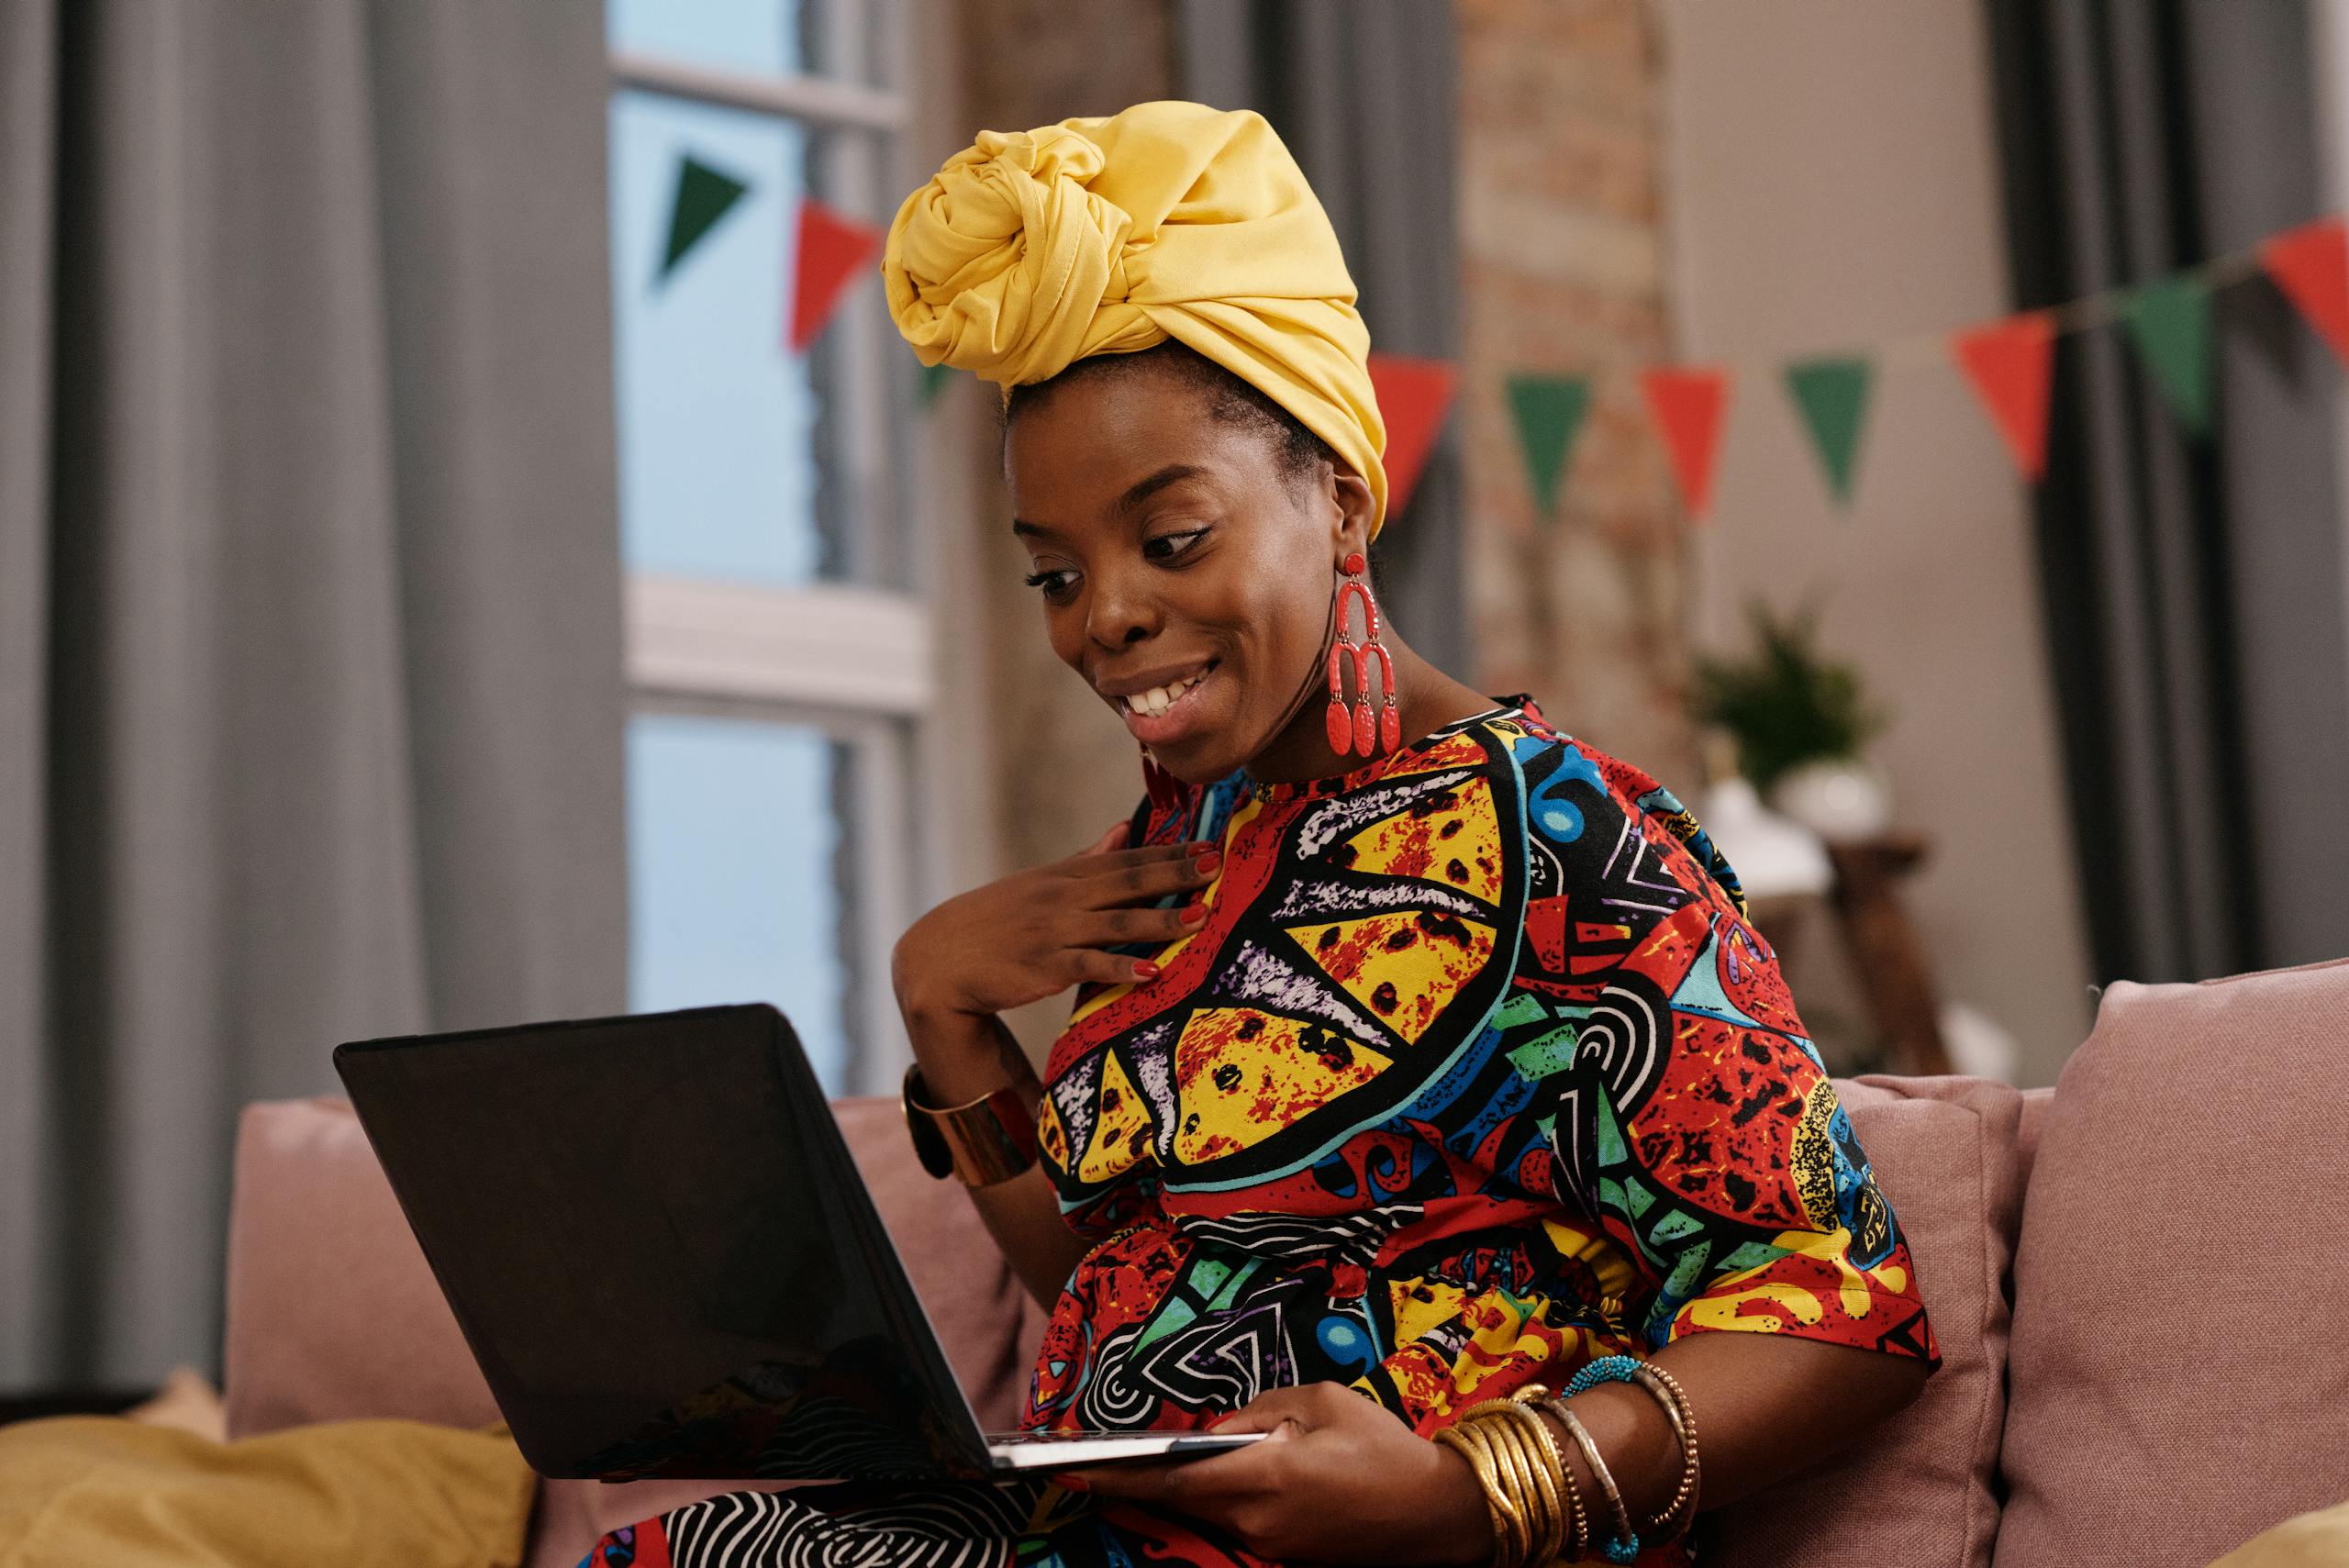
(663, 1258)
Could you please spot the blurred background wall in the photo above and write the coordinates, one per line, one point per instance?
(1834, 180)
(667, 627)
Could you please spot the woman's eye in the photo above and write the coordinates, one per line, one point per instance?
(1167, 547)
(1057, 584)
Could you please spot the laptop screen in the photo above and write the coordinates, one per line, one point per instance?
(651, 1235)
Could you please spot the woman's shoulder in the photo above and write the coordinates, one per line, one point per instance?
(1579, 798)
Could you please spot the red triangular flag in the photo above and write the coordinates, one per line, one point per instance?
(830, 251)
(1688, 402)
(2310, 264)
(2009, 362)
(1413, 397)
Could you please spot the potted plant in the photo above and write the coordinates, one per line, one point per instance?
(1800, 721)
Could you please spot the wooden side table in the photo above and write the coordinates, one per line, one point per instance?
(1886, 950)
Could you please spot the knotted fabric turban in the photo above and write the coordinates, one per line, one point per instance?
(1032, 249)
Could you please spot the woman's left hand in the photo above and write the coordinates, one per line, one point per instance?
(1340, 1479)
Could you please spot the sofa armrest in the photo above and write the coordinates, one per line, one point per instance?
(333, 1313)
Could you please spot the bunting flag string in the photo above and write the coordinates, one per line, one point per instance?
(2008, 363)
(833, 251)
(703, 195)
(2011, 364)
(1549, 413)
(1686, 403)
(1414, 395)
(933, 382)
(2310, 264)
(1831, 396)
(829, 251)
(2170, 322)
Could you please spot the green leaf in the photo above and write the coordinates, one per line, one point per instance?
(1785, 704)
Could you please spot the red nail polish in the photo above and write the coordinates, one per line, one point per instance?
(1069, 1484)
(1194, 913)
(1205, 864)
(1145, 970)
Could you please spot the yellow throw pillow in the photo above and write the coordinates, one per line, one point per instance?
(2320, 1539)
(78, 1490)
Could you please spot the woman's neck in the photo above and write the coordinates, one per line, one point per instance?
(1429, 699)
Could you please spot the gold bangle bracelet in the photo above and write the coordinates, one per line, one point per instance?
(1552, 1473)
(1568, 1528)
(1536, 1466)
(1516, 1507)
(986, 1142)
(1470, 1447)
(1576, 1545)
(1528, 1477)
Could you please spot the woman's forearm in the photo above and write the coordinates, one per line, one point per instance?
(1765, 1405)
(964, 1057)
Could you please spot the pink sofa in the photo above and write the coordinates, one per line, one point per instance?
(2139, 1280)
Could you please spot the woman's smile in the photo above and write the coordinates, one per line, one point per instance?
(1167, 709)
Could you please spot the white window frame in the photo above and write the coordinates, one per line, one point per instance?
(859, 662)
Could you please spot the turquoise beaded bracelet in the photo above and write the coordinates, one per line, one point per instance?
(1608, 1369)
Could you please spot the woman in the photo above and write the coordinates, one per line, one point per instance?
(1422, 1054)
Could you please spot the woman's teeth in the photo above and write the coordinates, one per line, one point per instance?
(1158, 699)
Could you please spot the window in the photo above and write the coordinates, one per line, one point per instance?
(779, 651)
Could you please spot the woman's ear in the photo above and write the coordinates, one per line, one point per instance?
(1355, 508)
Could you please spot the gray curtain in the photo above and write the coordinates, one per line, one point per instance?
(2194, 590)
(311, 695)
(1362, 92)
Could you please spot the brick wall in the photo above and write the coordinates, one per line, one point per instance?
(1563, 257)
(1062, 767)
(1065, 767)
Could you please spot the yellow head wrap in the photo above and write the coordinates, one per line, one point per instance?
(1030, 250)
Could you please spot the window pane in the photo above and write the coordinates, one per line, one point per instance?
(732, 35)
(735, 848)
(716, 418)
(739, 459)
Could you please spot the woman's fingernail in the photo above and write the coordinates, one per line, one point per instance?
(1205, 864)
(1069, 1484)
(1145, 970)
(1193, 913)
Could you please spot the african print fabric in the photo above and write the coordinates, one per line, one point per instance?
(1475, 1072)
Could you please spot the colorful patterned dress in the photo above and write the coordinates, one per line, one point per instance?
(1474, 1072)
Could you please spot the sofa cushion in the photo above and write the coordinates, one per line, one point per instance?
(2178, 1385)
(2034, 1119)
(333, 1313)
(90, 1492)
(1919, 1488)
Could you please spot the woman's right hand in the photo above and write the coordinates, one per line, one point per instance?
(1037, 933)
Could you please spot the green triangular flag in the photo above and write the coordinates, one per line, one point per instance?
(703, 195)
(1549, 411)
(1833, 396)
(933, 382)
(2170, 321)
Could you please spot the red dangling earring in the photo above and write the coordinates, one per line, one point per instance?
(1350, 733)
